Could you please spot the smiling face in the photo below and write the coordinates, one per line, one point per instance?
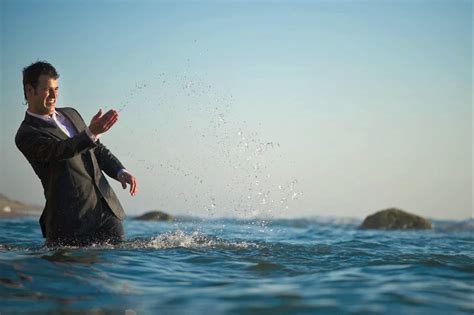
(42, 100)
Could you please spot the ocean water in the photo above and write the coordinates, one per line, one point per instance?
(304, 266)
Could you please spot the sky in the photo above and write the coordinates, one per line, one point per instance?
(258, 109)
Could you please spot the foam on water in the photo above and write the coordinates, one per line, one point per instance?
(181, 239)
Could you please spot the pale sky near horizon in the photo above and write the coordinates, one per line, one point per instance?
(270, 108)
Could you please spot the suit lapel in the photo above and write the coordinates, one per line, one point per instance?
(50, 128)
(72, 119)
(56, 131)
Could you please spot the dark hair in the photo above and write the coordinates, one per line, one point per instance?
(32, 73)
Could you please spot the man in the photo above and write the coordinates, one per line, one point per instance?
(67, 156)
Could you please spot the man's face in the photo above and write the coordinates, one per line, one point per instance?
(42, 100)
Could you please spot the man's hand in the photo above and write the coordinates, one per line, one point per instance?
(127, 178)
(101, 123)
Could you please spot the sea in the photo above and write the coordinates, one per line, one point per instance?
(231, 266)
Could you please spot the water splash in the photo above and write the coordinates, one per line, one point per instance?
(180, 239)
(248, 187)
(133, 93)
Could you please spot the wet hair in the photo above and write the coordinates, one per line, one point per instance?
(32, 73)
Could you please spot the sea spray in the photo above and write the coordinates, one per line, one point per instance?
(215, 165)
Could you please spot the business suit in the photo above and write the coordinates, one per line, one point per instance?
(70, 169)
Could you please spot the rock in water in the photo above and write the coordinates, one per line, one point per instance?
(393, 218)
(155, 216)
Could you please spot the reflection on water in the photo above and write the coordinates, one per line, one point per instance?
(65, 255)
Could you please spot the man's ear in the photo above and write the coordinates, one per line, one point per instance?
(29, 90)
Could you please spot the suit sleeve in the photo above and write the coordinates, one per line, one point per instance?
(107, 161)
(37, 146)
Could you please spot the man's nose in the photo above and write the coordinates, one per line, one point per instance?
(52, 93)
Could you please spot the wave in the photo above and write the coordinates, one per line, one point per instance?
(460, 226)
(181, 239)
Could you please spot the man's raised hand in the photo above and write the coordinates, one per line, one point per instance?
(100, 123)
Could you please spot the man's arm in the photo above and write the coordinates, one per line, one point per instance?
(107, 161)
(113, 168)
(37, 146)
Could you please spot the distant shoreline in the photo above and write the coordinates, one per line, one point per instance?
(13, 214)
(10, 209)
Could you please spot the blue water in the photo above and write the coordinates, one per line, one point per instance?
(241, 267)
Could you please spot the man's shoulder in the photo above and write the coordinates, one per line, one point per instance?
(25, 130)
(68, 110)
(28, 123)
(24, 126)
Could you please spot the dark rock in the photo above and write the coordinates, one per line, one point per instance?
(393, 218)
(155, 216)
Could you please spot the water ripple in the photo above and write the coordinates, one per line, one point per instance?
(300, 266)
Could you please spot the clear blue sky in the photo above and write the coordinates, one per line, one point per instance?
(271, 108)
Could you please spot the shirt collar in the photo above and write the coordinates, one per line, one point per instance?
(47, 118)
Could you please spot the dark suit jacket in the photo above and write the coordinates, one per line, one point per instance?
(70, 170)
